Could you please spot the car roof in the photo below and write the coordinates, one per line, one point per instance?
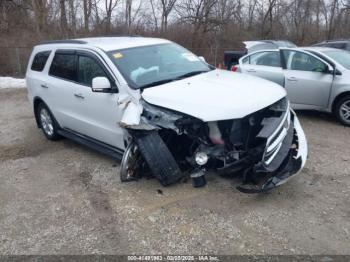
(305, 48)
(109, 43)
(320, 48)
(252, 46)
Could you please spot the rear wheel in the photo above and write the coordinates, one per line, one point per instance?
(342, 110)
(47, 122)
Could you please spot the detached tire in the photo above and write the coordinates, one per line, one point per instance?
(47, 122)
(158, 157)
(342, 110)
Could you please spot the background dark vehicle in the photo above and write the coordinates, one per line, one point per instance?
(231, 58)
(337, 43)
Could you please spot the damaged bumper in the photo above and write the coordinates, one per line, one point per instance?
(293, 154)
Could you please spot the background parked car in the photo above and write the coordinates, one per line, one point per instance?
(315, 78)
(231, 58)
(339, 44)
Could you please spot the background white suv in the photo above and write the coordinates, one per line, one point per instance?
(165, 111)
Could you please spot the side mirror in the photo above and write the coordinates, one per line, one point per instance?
(337, 72)
(101, 84)
(334, 71)
(202, 59)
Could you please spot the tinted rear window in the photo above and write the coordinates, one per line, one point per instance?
(266, 59)
(338, 45)
(39, 61)
(64, 66)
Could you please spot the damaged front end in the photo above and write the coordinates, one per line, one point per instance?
(265, 148)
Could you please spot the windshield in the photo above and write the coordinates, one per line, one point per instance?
(340, 56)
(148, 66)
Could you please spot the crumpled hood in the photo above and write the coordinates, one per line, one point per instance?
(216, 95)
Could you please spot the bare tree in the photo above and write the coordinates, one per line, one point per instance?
(154, 15)
(63, 18)
(72, 15)
(97, 20)
(87, 7)
(110, 5)
(251, 11)
(167, 7)
(40, 8)
(131, 13)
(333, 9)
(267, 22)
(128, 6)
(207, 27)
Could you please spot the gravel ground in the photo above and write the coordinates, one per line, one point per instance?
(62, 198)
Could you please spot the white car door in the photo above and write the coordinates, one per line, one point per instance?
(308, 80)
(98, 113)
(264, 64)
(60, 85)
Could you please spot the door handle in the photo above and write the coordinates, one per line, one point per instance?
(292, 78)
(79, 96)
(44, 86)
(251, 70)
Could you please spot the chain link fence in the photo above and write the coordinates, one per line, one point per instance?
(14, 60)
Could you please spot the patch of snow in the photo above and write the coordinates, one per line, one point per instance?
(10, 82)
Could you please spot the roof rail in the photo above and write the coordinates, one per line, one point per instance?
(64, 41)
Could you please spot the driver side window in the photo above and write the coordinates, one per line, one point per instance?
(88, 69)
(300, 61)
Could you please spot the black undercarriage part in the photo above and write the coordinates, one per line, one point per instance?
(198, 178)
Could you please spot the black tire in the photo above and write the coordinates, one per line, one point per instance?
(48, 123)
(158, 157)
(340, 109)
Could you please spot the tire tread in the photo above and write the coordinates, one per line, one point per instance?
(159, 158)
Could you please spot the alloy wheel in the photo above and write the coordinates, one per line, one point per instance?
(345, 111)
(46, 122)
(129, 164)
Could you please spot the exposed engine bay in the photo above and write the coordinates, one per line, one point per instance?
(261, 148)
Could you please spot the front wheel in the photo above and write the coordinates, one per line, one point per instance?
(342, 110)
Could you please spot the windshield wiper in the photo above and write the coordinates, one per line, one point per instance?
(193, 73)
(156, 83)
(164, 81)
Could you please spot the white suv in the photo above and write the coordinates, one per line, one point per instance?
(164, 111)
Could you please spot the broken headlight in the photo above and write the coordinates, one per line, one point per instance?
(159, 117)
(280, 106)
